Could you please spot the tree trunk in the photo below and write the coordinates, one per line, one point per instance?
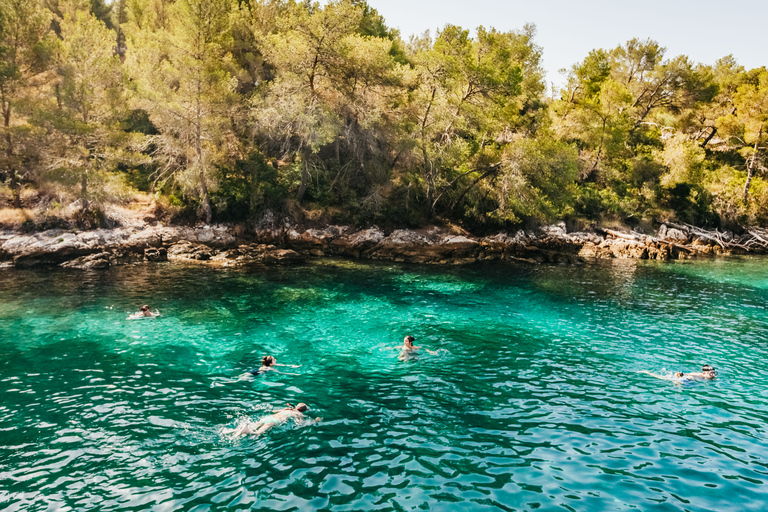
(304, 176)
(84, 189)
(206, 199)
(254, 199)
(709, 137)
(14, 184)
(207, 211)
(751, 169)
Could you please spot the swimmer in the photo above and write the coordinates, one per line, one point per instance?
(707, 373)
(144, 312)
(268, 363)
(409, 349)
(277, 418)
(678, 377)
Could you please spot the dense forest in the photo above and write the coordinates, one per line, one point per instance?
(227, 111)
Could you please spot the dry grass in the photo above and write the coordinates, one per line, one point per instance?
(13, 217)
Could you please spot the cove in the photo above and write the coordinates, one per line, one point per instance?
(534, 399)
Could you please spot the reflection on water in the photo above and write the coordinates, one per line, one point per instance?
(532, 400)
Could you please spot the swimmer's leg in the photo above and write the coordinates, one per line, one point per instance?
(246, 428)
(263, 428)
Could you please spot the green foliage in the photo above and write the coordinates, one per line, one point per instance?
(691, 204)
(248, 189)
(232, 109)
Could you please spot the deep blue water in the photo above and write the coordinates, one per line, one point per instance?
(533, 399)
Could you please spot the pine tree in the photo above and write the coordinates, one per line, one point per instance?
(24, 51)
(180, 60)
(85, 137)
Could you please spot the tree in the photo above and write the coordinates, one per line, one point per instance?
(333, 85)
(181, 62)
(471, 98)
(24, 50)
(84, 130)
(594, 112)
(699, 121)
(748, 128)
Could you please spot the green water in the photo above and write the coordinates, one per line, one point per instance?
(533, 399)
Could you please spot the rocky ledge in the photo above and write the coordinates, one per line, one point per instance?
(238, 246)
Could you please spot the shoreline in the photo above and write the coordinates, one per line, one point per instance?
(238, 245)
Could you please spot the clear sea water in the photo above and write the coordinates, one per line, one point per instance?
(533, 399)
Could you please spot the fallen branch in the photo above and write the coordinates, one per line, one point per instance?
(619, 234)
(717, 237)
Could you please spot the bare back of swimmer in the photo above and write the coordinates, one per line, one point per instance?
(277, 418)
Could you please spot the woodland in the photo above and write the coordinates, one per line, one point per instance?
(222, 111)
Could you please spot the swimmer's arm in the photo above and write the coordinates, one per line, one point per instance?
(285, 373)
(433, 352)
(653, 374)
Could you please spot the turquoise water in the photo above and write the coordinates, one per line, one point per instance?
(533, 399)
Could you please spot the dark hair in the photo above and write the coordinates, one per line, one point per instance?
(301, 407)
(409, 338)
(145, 308)
(707, 368)
(267, 360)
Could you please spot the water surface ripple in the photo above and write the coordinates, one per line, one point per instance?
(533, 399)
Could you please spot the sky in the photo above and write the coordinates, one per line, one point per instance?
(704, 30)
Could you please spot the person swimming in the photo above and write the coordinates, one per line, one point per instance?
(268, 363)
(408, 349)
(276, 418)
(144, 312)
(707, 373)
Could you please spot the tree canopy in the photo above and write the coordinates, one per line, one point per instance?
(230, 110)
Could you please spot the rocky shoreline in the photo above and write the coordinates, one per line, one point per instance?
(228, 246)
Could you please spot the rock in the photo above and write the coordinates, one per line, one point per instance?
(156, 254)
(281, 242)
(92, 261)
(555, 229)
(312, 238)
(431, 246)
(189, 251)
(676, 235)
(357, 243)
(589, 250)
(281, 256)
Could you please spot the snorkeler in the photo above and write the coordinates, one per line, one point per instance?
(268, 363)
(707, 373)
(409, 349)
(273, 420)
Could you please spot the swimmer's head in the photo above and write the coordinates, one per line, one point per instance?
(301, 407)
(707, 368)
(678, 374)
(145, 308)
(267, 361)
(408, 340)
